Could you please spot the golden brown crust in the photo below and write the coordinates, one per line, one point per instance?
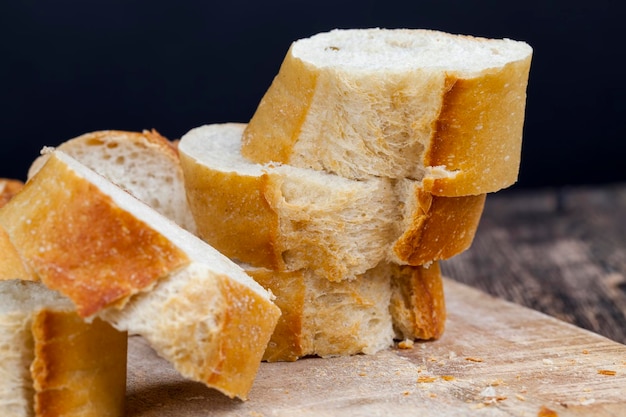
(289, 98)
(8, 188)
(11, 265)
(441, 227)
(237, 359)
(79, 368)
(289, 289)
(417, 302)
(86, 247)
(478, 132)
(244, 226)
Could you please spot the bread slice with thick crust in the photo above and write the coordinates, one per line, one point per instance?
(54, 363)
(117, 258)
(363, 315)
(286, 218)
(143, 163)
(325, 318)
(441, 108)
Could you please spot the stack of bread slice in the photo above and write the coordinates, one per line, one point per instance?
(314, 229)
(367, 161)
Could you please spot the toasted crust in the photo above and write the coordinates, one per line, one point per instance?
(11, 265)
(417, 302)
(8, 188)
(440, 227)
(85, 246)
(230, 206)
(458, 131)
(79, 368)
(478, 133)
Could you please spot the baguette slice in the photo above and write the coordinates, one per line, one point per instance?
(285, 218)
(145, 164)
(445, 109)
(325, 318)
(53, 363)
(117, 258)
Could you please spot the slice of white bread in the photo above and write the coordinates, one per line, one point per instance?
(445, 109)
(143, 163)
(363, 315)
(325, 318)
(53, 363)
(286, 218)
(100, 246)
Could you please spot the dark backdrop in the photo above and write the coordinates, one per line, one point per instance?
(71, 67)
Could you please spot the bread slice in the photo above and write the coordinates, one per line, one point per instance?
(144, 163)
(53, 363)
(8, 188)
(117, 258)
(325, 318)
(285, 218)
(11, 264)
(363, 315)
(444, 109)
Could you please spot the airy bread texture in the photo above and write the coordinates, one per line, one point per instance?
(53, 363)
(115, 257)
(286, 218)
(325, 318)
(144, 164)
(444, 109)
(362, 315)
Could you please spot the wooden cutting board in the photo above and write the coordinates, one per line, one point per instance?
(495, 359)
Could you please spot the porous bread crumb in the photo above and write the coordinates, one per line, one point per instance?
(406, 344)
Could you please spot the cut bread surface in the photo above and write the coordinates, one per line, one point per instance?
(425, 105)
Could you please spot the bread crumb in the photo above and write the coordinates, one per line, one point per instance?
(587, 401)
(471, 359)
(362, 374)
(406, 393)
(606, 372)
(426, 379)
(520, 397)
(496, 382)
(448, 378)
(546, 412)
(406, 344)
(432, 395)
(585, 352)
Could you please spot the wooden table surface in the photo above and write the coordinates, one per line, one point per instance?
(558, 251)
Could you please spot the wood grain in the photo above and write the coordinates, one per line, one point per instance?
(559, 251)
(495, 359)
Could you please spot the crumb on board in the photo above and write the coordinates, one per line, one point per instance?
(406, 344)
(473, 359)
(546, 412)
(585, 352)
(448, 378)
(426, 379)
(607, 372)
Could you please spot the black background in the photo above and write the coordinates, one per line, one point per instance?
(71, 67)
